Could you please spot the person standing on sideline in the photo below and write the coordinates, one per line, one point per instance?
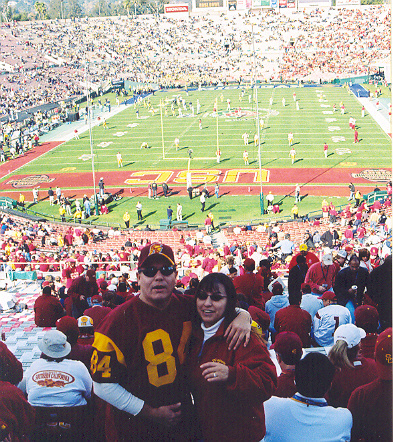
(154, 189)
(126, 219)
(51, 195)
(149, 191)
(356, 137)
(101, 186)
(283, 101)
(35, 194)
(179, 212)
(177, 143)
(325, 150)
(245, 158)
(139, 210)
(202, 199)
(363, 111)
(216, 190)
(292, 154)
(297, 193)
(200, 124)
(169, 213)
(351, 192)
(119, 160)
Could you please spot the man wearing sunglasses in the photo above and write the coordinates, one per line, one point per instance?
(139, 352)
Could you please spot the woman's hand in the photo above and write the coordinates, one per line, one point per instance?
(215, 372)
(239, 330)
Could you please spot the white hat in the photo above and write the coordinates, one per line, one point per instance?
(349, 333)
(114, 281)
(54, 344)
(85, 321)
(327, 259)
(342, 254)
(112, 288)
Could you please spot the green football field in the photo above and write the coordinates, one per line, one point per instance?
(312, 125)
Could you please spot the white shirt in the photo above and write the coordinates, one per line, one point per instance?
(57, 384)
(326, 320)
(288, 420)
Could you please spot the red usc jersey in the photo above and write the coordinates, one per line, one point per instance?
(143, 349)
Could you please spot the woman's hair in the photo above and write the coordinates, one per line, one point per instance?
(341, 356)
(210, 283)
(364, 253)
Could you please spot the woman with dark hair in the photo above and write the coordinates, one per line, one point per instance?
(229, 386)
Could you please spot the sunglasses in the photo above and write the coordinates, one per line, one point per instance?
(214, 297)
(152, 271)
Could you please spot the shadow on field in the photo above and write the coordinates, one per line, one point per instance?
(211, 206)
(148, 214)
(188, 216)
(129, 164)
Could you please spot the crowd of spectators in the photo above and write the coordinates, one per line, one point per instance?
(331, 286)
(45, 61)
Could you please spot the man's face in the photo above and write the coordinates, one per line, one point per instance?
(354, 265)
(156, 290)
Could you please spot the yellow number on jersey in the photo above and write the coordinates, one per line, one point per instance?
(103, 366)
(160, 358)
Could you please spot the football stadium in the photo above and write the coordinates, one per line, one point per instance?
(195, 204)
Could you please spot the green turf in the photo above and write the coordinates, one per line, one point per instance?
(309, 126)
(226, 209)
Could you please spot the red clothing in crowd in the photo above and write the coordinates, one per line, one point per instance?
(296, 320)
(317, 275)
(367, 345)
(286, 384)
(97, 314)
(311, 259)
(229, 411)
(83, 353)
(346, 380)
(371, 408)
(11, 368)
(251, 286)
(47, 311)
(16, 414)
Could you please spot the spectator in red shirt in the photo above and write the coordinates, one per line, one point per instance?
(97, 311)
(294, 319)
(47, 309)
(311, 258)
(371, 404)
(250, 285)
(367, 318)
(288, 348)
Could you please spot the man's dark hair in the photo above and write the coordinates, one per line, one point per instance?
(300, 259)
(313, 375)
(47, 290)
(232, 270)
(295, 297)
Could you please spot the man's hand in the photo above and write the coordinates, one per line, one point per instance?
(239, 330)
(167, 415)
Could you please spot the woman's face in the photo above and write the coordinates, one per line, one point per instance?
(213, 307)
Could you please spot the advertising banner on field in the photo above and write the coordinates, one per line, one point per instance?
(291, 4)
(282, 3)
(274, 4)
